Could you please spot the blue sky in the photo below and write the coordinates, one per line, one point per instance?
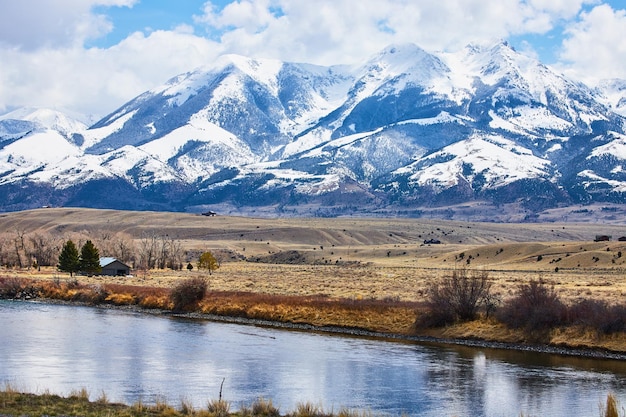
(145, 16)
(91, 56)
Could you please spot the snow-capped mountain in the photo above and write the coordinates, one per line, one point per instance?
(406, 129)
(613, 94)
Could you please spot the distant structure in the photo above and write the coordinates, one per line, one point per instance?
(432, 242)
(209, 213)
(602, 238)
(113, 267)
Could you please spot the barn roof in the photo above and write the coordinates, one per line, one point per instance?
(104, 261)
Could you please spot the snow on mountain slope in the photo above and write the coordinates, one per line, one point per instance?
(138, 167)
(491, 161)
(94, 135)
(397, 67)
(511, 81)
(273, 98)
(613, 94)
(48, 119)
(393, 72)
(37, 152)
(616, 148)
(200, 149)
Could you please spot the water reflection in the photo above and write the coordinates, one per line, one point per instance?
(131, 356)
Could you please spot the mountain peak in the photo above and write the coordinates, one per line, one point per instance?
(47, 119)
(404, 57)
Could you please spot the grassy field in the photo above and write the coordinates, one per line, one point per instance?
(356, 259)
(15, 403)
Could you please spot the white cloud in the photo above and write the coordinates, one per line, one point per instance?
(595, 46)
(97, 81)
(331, 31)
(31, 24)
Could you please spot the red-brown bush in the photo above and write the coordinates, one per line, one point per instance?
(186, 294)
(536, 307)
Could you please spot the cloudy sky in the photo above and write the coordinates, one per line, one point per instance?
(91, 56)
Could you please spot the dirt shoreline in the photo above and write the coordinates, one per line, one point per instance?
(589, 353)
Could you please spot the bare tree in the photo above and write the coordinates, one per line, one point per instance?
(148, 246)
(10, 251)
(44, 248)
(19, 245)
(458, 297)
(123, 248)
(163, 251)
(176, 254)
(4, 256)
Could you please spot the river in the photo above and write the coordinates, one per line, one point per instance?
(133, 357)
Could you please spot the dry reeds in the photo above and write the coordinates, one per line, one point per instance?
(264, 408)
(611, 409)
(218, 408)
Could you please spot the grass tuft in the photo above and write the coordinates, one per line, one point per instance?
(186, 407)
(82, 394)
(309, 410)
(264, 408)
(103, 398)
(219, 408)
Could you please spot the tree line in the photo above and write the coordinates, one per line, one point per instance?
(21, 249)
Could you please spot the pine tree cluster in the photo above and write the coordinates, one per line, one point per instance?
(88, 261)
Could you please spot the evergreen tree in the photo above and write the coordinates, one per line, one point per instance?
(68, 259)
(90, 259)
(208, 261)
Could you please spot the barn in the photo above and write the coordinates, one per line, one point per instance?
(113, 267)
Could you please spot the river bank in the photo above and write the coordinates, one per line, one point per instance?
(433, 336)
(14, 403)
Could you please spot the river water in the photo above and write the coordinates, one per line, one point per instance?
(138, 357)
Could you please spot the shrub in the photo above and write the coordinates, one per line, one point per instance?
(599, 315)
(536, 307)
(186, 294)
(457, 298)
(13, 287)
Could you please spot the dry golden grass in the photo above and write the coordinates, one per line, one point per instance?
(375, 315)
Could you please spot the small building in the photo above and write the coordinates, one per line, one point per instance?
(113, 267)
(602, 238)
(432, 242)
